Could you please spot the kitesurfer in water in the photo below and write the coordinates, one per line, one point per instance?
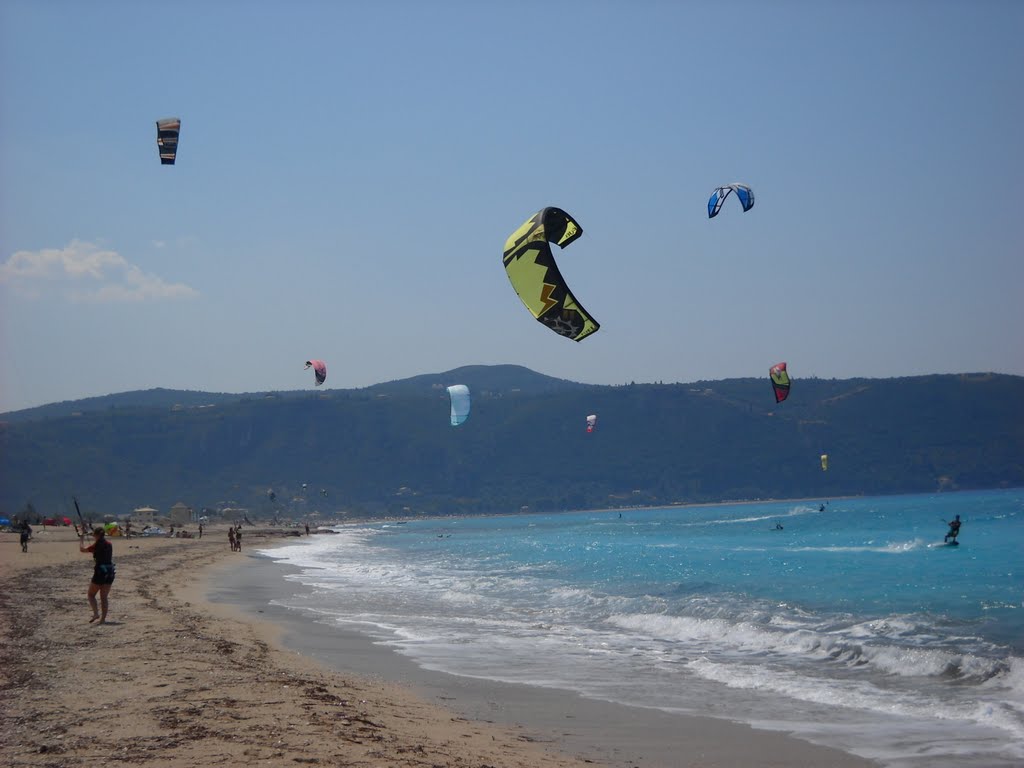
(954, 529)
(778, 526)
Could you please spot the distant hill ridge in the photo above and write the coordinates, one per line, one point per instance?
(390, 449)
(495, 378)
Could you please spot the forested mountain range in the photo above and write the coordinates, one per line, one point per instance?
(389, 448)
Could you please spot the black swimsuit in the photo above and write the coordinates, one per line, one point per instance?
(103, 573)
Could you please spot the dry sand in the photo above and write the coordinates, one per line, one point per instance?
(175, 680)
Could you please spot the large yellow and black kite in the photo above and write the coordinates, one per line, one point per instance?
(532, 270)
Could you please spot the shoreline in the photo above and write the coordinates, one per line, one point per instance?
(602, 732)
(172, 680)
(179, 678)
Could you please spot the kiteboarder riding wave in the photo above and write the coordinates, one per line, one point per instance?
(954, 529)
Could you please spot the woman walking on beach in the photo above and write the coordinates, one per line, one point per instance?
(102, 574)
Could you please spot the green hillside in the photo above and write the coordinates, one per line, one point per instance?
(389, 449)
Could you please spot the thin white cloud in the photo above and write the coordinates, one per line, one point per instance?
(114, 277)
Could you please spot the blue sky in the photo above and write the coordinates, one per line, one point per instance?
(348, 174)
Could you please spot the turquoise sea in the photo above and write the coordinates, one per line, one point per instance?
(849, 627)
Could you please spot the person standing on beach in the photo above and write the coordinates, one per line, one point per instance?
(238, 538)
(102, 574)
(231, 537)
(26, 534)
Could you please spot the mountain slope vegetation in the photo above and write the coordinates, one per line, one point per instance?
(389, 449)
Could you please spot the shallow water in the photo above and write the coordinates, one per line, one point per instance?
(849, 626)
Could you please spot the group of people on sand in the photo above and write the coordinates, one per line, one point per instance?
(183, 534)
(104, 571)
(235, 538)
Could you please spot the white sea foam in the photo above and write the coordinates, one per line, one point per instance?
(795, 512)
(857, 694)
(894, 547)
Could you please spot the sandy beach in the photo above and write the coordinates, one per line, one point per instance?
(178, 679)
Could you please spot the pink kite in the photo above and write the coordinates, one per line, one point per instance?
(320, 369)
